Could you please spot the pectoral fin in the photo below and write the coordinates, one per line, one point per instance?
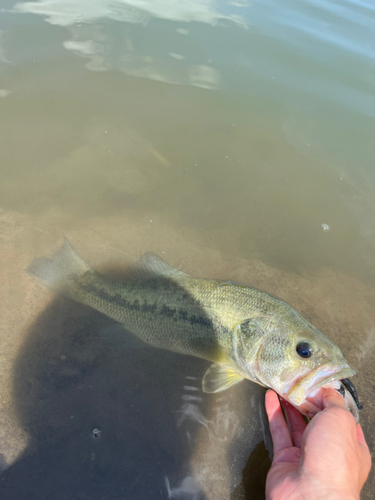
(219, 378)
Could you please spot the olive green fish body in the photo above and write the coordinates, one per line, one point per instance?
(168, 313)
(245, 332)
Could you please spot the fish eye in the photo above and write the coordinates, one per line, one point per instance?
(304, 349)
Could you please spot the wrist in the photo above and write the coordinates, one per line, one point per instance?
(335, 495)
(323, 495)
(326, 490)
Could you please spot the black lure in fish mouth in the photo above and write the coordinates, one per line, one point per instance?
(347, 384)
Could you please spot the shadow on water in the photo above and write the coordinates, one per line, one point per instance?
(107, 424)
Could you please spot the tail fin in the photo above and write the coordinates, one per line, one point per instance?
(61, 272)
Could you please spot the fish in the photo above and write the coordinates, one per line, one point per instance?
(246, 333)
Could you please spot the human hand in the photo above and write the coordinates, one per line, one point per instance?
(325, 459)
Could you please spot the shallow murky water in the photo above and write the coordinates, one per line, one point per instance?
(233, 138)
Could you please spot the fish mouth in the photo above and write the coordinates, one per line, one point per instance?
(348, 386)
(348, 392)
(307, 387)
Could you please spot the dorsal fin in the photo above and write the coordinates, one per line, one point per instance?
(150, 265)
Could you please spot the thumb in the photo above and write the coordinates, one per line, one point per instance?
(332, 398)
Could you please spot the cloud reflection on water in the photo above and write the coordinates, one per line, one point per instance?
(67, 13)
(105, 47)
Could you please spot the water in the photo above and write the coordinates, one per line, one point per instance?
(225, 136)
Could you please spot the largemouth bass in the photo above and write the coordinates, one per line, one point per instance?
(246, 333)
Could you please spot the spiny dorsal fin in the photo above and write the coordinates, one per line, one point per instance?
(150, 265)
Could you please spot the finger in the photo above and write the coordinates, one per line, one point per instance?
(365, 453)
(360, 435)
(332, 398)
(296, 423)
(278, 427)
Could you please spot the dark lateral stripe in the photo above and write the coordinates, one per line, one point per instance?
(200, 320)
(117, 299)
(183, 315)
(135, 305)
(148, 308)
(168, 311)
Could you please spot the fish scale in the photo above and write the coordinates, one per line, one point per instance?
(247, 333)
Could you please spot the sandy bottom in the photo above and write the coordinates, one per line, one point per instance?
(156, 431)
